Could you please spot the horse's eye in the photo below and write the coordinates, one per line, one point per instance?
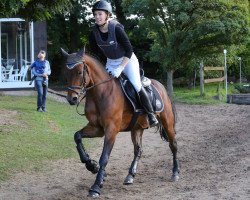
(79, 72)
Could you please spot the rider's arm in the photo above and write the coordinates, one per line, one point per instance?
(123, 40)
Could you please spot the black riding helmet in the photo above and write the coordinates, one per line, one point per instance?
(102, 5)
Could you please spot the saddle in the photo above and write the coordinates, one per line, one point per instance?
(134, 100)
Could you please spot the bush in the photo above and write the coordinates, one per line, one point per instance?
(243, 88)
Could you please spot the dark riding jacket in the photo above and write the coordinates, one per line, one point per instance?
(114, 44)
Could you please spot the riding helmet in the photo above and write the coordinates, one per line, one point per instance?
(102, 5)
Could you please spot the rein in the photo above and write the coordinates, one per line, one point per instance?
(83, 88)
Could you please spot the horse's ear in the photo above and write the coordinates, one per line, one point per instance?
(65, 54)
(81, 52)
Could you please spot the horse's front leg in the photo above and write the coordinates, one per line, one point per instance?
(107, 148)
(87, 132)
(137, 141)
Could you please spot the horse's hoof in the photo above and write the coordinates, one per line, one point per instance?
(175, 177)
(93, 194)
(129, 180)
(92, 166)
(94, 191)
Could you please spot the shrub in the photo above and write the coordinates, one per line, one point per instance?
(243, 88)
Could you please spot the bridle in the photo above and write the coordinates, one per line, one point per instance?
(82, 88)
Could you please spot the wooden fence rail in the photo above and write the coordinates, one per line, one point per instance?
(214, 68)
(212, 80)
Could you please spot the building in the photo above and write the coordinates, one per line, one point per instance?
(20, 42)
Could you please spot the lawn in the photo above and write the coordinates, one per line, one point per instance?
(212, 92)
(29, 138)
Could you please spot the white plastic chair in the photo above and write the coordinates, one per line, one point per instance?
(21, 75)
(7, 74)
(3, 74)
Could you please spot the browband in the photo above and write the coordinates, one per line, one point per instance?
(73, 64)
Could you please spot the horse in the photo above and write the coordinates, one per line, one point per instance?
(108, 112)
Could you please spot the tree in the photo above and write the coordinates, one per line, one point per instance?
(119, 12)
(245, 54)
(69, 30)
(184, 29)
(33, 9)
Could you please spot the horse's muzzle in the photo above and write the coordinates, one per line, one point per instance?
(73, 100)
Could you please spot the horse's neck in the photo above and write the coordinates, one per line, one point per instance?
(106, 89)
(98, 75)
(98, 72)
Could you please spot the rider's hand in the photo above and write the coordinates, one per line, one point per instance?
(117, 72)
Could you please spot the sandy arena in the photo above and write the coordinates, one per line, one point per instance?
(214, 153)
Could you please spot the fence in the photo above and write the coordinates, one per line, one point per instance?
(212, 80)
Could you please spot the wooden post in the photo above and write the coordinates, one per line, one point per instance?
(0, 53)
(225, 71)
(202, 92)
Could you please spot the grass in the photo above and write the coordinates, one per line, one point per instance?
(192, 96)
(30, 137)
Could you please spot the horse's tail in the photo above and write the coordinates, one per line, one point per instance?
(161, 129)
(163, 133)
(173, 109)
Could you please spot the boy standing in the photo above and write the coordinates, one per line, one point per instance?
(41, 71)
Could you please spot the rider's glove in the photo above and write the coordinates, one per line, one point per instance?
(117, 72)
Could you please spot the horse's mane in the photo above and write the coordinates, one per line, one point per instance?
(97, 60)
(96, 57)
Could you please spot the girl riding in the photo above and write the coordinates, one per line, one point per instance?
(109, 38)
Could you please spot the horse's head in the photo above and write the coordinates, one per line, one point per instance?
(76, 74)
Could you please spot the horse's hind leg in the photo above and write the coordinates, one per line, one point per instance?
(168, 132)
(137, 141)
(173, 147)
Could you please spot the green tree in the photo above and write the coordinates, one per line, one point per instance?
(69, 30)
(33, 9)
(245, 54)
(119, 11)
(184, 29)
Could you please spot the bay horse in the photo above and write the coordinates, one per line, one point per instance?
(108, 112)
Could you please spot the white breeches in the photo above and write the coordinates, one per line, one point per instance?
(132, 70)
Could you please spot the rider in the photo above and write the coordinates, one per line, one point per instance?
(109, 37)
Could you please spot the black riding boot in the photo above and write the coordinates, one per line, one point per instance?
(146, 104)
